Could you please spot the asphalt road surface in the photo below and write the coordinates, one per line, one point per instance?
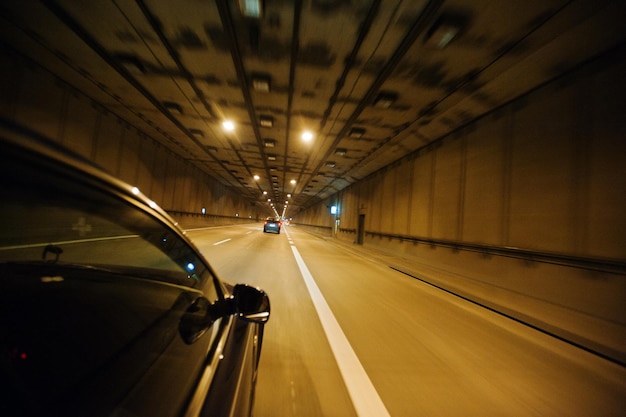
(349, 336)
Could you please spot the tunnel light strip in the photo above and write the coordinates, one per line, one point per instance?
(365, 399)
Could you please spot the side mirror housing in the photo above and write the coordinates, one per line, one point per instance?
(251, 304)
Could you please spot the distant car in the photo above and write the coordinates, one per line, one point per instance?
(272, 225)
(106, 308)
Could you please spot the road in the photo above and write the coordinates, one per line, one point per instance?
(375, 342)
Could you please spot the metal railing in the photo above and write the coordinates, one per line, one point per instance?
(617, 266)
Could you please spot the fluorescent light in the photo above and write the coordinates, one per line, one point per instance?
(356, 132)
(197, 133)
(261, 83)
(172, 107)
(384, 100)
(251, 8)
(266, 121)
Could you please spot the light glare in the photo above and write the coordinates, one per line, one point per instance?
(228, 125)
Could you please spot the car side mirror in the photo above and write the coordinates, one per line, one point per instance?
(251, 304)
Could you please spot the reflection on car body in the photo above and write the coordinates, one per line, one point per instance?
(272, 225)
(106, 307)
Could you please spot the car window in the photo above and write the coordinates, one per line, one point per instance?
(55, 219)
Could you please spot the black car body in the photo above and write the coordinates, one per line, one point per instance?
(106, 308)
(272, 225)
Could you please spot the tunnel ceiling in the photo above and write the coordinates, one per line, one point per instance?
(372, 80)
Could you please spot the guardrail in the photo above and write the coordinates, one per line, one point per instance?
(597, 264)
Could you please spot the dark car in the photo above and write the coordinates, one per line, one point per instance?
(271, 225)
(106, 308)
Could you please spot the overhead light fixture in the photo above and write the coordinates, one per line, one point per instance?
(266, 121)
(384, 100)
(173, 108)
(307, 136)
(228, 125)
(269, 143)
(292, 182)
(256, 177)
(132, 64)
(197, 133)
(251, 8)
(331, 164)
(341, 151)
(356, 132)
(271, 157)
(261, 83)
(444, 30)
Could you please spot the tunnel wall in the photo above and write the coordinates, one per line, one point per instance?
(34, 98)
(522, 210)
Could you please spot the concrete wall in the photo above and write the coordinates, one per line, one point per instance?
(34, 98)
(523, 210)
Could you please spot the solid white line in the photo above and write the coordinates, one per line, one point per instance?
(365, 399)
(221, 241)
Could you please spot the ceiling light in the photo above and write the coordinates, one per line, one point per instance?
(341, 151)
(261, 83)
(288, 195)
(264, 192)
(444, 30)
(197, 133)
(228, 125)
(269, 143)
(132, 64)
(331, 164)
(266, 121)
(307, 136)
(384, 100)
(172, 107)
(356, 132)
(271, 157)
(256, 178)
(251, 8)
(272, 169)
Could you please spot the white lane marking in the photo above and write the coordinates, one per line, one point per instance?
(221, 241)
(365, 399)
